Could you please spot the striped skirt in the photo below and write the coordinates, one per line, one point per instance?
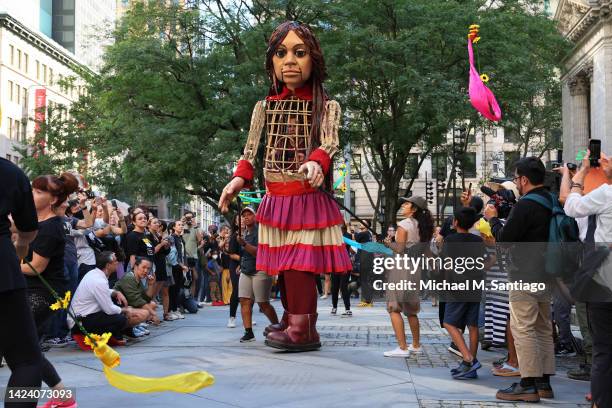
(497, 306)
(301, 232)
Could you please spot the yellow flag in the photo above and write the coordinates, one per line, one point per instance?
(183, 383)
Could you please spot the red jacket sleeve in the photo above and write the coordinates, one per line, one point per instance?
(246, 171)
(321, 157)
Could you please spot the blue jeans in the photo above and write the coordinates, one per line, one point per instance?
(58, 326)
(203, 285)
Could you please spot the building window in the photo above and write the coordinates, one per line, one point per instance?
(511, 135)
(17, 93)
(356, 165)
(26, 62)
(50, 76)
(10, 128)
(468, 164)
(44, 70)
(18, 59)
(37, 70)
(10, 88)
(8, 157)
(510, 159)
(24, 102)
(412, 162)
(12, 54)
(495, 133)
(438, 166)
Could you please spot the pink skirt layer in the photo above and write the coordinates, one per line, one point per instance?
(296, 212)
(301, 232)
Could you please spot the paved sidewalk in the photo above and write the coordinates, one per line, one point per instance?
(349, 371)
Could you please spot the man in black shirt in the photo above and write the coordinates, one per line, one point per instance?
(253, 286)
(530, 312)
(20, 348)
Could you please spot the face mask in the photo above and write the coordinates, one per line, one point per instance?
(215, 256)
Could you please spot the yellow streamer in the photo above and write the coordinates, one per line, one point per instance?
(183, 383)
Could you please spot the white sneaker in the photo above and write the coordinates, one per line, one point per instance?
(179, 315)
(416, 350)
(170, 317)
(398, 352)
(201, 304)
(324, 297)
(231, 323)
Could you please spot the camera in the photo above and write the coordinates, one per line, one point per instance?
(503, 200)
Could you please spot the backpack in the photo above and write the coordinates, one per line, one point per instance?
(563, 251)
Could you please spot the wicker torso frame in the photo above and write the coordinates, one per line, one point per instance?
(288, 141)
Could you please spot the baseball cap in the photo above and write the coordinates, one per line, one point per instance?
(416, 200)
(251, 209)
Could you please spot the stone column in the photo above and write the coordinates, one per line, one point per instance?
(580, 92)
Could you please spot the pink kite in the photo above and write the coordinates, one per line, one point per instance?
(481, 97)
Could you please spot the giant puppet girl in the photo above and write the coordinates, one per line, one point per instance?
(299, 225)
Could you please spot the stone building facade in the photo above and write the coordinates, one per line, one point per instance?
(587, 75)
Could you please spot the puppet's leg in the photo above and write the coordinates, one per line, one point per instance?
(282, 325)
(301, 333)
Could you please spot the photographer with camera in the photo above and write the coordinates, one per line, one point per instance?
(530, 312)
(597, 206)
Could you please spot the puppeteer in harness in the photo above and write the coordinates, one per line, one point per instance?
(299, 225)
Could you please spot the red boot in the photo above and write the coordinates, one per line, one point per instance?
(277, 326)
(301, 335)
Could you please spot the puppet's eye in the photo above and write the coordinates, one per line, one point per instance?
(280, 53)
(301, 53)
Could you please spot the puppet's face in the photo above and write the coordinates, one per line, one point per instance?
(292, 62)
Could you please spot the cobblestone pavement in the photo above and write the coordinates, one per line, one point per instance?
(348, 371)
(480, 404)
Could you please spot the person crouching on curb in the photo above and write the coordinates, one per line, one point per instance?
(137, 296)
(253, 285)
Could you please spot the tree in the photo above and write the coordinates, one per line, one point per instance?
(400, 68)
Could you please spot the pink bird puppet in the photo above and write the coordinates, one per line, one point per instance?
(481, 97)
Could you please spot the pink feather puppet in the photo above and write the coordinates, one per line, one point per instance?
(481, 97)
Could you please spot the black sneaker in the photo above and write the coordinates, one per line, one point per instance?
(544, 390)
(583, 373)
(565, 351)
(248, 337)
(334, 311)
(518, 393)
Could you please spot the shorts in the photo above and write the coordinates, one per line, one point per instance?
(407, 308)
(191, 262)
(461, 314)
(255, 287)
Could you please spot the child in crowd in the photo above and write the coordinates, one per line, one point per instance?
(463, 306)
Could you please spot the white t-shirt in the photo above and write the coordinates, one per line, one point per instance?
(93, 295)
(597, 202)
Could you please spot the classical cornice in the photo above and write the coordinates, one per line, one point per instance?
(575, 17)
(54, 50)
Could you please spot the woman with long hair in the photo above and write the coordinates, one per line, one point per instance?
(46, 256)
(138, 242)
(413, 233)
(161, 247)
(299, 225)
(177, 261)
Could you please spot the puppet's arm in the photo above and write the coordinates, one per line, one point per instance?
(245, 167)
(329, 137)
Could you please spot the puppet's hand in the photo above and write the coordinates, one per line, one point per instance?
(230, 191)
(314, 173)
